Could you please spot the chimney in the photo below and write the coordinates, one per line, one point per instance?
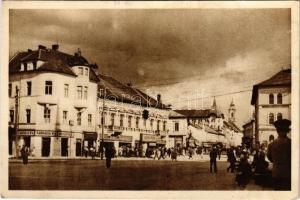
(159, 98)
(55, 47)
(41, 46)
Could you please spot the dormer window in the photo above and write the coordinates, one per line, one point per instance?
(80, 71)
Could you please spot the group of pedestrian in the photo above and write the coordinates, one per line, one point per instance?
(278, 152)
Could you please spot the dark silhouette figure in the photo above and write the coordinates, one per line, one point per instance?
(279, 153)
(213, 160)
(109, 154)
(231, 159)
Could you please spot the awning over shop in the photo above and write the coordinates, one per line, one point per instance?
(90, 135)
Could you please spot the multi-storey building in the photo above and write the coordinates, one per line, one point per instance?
(121, 108)
(272, 101)
(53, 99)
(55, 107)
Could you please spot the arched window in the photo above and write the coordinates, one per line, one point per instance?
(271, 118)
(279, 116)
(279, 98)
(271, 99)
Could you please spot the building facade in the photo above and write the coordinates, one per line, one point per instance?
(55, 108)
(272, 101)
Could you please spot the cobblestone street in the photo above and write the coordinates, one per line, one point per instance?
(133, 174)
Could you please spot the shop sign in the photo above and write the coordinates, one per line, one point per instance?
(90, 135)
(161, 142)
(64, 134)
(123, 138)
(148, 138)
(45, 133)
(23, 132)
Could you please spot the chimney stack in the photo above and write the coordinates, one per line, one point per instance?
(159, 98)
(55, 47)
(41, 47)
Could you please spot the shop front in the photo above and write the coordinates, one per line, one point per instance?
(89, 141)
(150, 142)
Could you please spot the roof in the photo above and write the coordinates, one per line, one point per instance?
(282, 78)
(207, 129)
(118, 91)
(199, 113)
(173, 115)
(54, 61)
(232, 125)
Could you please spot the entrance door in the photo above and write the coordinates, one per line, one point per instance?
(78, 147)
(27, 141)
(46, 147)
(64, 146)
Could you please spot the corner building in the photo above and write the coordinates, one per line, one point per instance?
(52, 102)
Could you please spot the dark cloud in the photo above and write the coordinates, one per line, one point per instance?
(146, 45)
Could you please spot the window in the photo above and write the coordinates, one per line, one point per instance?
(65, 117)
(279, 116)
(10, 90)
(79, 118)
(271, 118)
(271, 99)
(47, 113)
(129, 121)
(28, 88)
(48, 88)
(85, 92)
(79, 92)
(86, 71)
(279, 98)
(121, 120)
(11, 115)
(164, 126)
(28, 115)
(90, 119)
(158, 123)
(80, 71)
(112, 119)
(151, 123)
(137, 121)
(176, 126)
(145, 123)
(66, 90)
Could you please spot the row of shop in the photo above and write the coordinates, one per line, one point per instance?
(43, 143)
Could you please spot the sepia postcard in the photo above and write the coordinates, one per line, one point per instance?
(150, 100)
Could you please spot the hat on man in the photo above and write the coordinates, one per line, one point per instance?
(282, 125)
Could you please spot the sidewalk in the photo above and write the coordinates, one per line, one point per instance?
(195, 158)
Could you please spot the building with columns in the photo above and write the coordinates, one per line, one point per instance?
(272, 101)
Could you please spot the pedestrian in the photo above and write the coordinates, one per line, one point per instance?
(213, 159)
(244, 171)
(219, 152)
(279, 153)
(86, 150)
(231, 159)
(262, 173)
(173, 154)
(190, 152)
(25, 151)
(109, 154)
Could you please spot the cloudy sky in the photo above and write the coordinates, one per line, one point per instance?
(184, 54)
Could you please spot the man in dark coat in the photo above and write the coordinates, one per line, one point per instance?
(109, 154)
(213, 159)
(231, 160)
(279, 153)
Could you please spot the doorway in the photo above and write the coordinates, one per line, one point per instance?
(78, 147)
(46, 146)
(64, 146)
(27, 141)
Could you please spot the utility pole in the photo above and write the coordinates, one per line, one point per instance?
(17, 121)
(102, 124)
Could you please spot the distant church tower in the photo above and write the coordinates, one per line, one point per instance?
(231, 112)
(214, 106)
